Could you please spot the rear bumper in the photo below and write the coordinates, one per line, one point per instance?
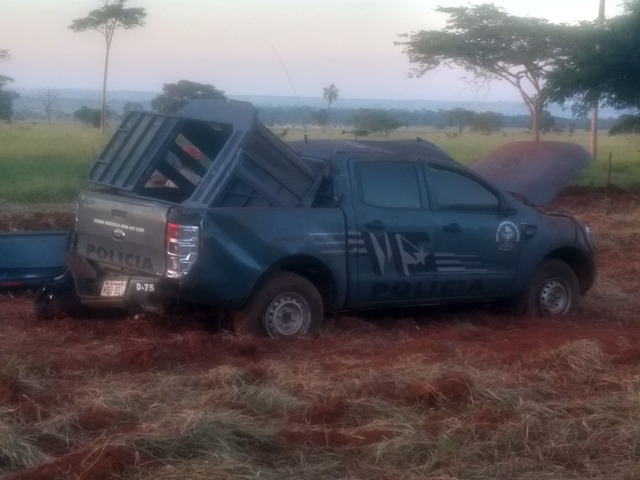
(129, 291)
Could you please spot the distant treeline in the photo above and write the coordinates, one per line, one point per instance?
(440, 119)
(30, 109)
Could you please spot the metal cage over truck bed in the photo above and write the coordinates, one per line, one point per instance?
(212, 154)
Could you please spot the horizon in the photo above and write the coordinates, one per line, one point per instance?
(505, 107)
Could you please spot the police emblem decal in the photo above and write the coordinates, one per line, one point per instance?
(507, 236)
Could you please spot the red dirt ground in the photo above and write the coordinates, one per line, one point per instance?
(608, 315)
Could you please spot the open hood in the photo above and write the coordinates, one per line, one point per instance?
(536, 170)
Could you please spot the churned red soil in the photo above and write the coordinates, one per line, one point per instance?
(69, 348)
(14, 220)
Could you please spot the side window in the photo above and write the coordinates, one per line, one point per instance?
(454, 190)
(388, 184)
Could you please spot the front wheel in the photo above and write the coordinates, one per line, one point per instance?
(286, 305)
(554, 290)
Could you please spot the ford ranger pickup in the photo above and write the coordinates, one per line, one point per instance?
(208, 207)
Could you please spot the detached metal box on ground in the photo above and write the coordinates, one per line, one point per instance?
(212, 154)
(31, 258)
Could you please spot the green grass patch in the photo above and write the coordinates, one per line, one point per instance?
(624, 150)
(45, 163)
(41, 163)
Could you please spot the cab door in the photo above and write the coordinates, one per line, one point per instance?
(395, 232)
(477, 240)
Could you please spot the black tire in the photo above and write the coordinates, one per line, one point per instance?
(57, 299)
(554, 290)
(286, 305)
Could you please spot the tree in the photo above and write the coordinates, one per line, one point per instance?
(131, 107)
(373, 120)
(330, 94)
(460, 118)
(91, 116)
(106, 20)
(6, 99)
(626, 124)
(603, 65)
(174, 96)
(547, 122)
(490, 44)
(320, 117)
(48, 98)
(487, 122)
(6, 96)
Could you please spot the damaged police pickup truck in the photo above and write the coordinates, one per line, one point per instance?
(208, 207)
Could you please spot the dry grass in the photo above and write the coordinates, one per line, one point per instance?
(568, 413)
(463, 394)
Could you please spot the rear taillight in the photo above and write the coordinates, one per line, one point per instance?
(182, 243)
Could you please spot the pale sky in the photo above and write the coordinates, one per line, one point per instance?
(251, 47)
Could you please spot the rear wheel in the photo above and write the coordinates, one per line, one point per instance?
(554, 290)
(286, 305)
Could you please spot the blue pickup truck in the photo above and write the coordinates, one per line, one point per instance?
(208, 207)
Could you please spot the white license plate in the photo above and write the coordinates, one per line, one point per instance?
(113, 288)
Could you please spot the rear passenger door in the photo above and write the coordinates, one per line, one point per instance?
(395, 232)
(477, 240)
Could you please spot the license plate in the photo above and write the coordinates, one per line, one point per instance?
(113, 288)
(142, 286)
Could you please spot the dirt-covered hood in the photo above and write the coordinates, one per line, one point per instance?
(536, 170)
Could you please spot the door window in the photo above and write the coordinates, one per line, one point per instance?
(388, 184)
(452, 190)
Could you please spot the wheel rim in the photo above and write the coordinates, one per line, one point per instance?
(555, 297)
(287, 314)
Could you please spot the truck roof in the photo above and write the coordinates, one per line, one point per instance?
(327, 149)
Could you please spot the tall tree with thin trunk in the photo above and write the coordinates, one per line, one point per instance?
(48, 98)
(594, 110)
(106, 20)
(330, 94)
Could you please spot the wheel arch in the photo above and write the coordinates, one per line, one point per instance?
(310, 268)
(581, 264)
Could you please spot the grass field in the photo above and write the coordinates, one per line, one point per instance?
(42, 163)
(45, 163)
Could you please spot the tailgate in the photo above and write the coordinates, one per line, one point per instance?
(127, 234)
